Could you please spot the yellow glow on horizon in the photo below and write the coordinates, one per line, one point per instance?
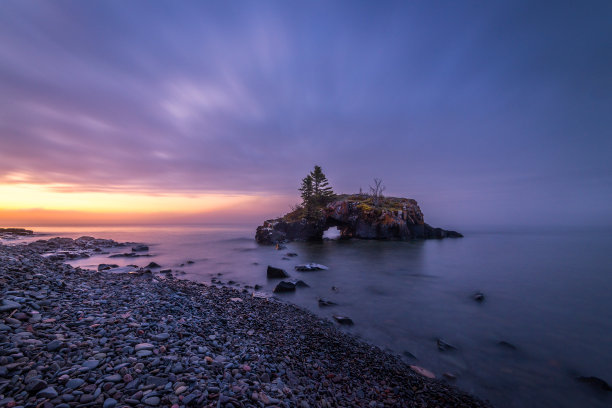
(47, 197)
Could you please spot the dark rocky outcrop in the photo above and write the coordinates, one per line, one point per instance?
(356, 217)
(15, 231)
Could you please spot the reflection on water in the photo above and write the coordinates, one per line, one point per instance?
(546, 294)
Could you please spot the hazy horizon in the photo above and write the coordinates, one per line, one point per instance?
(155, 112)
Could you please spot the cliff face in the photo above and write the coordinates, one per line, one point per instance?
(356, 217)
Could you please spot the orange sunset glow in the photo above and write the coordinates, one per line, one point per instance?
(65, 204)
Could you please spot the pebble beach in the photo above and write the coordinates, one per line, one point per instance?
(72, 337)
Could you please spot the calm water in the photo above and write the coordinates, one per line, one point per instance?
(547, 293)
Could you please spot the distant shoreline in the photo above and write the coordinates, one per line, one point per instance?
(128, 339)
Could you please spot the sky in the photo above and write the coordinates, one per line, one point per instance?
(486, 113)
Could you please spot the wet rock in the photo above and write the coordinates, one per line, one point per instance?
(444, 346)
(91, 364)
(344, 320)
(153, 265)
(9, 305)
(479, 297)
(74, 383)
(276, 273)
(596, 383)
(35, 385)
(54, 345)
(105, 267)
(140, 248)
(326, 303)
(109, 403)
(300, 284)
(310, 267)
(284, 286)
(48, 392)
(422, 371)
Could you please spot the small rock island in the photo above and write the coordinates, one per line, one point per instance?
(362, 216)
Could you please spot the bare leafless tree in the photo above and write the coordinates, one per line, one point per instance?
(376, 191)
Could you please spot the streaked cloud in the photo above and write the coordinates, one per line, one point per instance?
(201, 98)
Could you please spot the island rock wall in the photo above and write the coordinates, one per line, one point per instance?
(396, 219)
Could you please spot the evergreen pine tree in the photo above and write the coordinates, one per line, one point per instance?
(322, 192)
(306, 190)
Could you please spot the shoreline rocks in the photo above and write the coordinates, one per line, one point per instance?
(71, 337)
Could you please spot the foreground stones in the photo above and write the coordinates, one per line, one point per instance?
(85, 338)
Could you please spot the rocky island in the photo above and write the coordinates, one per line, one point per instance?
(356, 216)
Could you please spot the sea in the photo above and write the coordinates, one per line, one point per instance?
(545, 321)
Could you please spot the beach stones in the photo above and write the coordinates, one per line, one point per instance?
(48, 392)
(74, 383)
(54, 345)
(90, 364)
(9, 305)
(75, 337)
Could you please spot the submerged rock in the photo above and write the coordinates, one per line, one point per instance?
(444, 346)
(479, 297)
(325, 303)
(344, 320)
(422, 371)
(140, 248)
(596, 382)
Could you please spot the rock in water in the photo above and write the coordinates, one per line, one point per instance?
(310, 267)
(284, 286)
(478, 296)
(276, 273)
(324, 303)
(344, 320)
(301, 284)
(444, 346)
(422, 371)
(596, 382)
(105, 267)
(152, 265)
(140, 248)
